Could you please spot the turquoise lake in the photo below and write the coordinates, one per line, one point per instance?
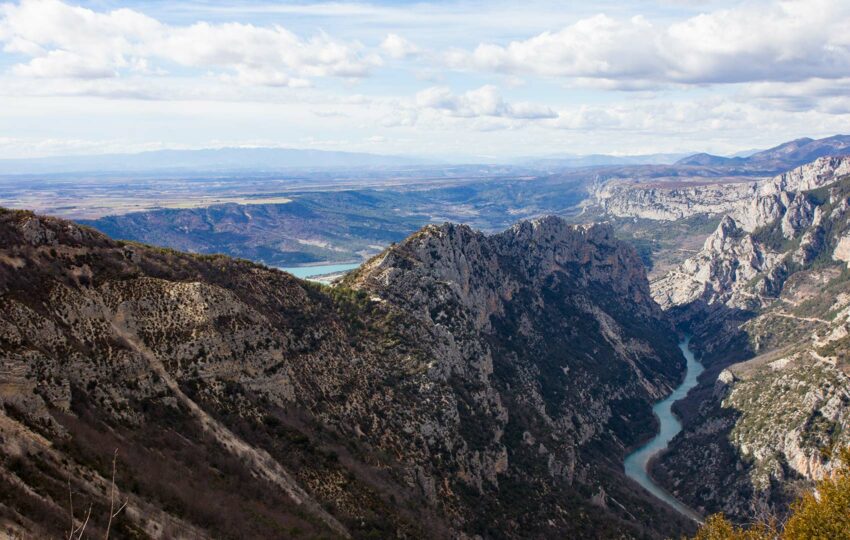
(306, 272)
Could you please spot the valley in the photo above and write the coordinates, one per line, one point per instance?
(432, 270)
(430, 371)
(299, 216)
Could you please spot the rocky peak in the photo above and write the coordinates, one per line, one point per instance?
(726, 232)
(485, 271)
(400, 402)
(752, 203)
(821, 172)
(744, 262)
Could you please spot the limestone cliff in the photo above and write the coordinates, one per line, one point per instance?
(457, 385)
(752, 202)
(775, 292)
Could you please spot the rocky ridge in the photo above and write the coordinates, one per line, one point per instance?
(744, 262)
(770, 288)
(667, 203)
(752, 202)
(456, 385)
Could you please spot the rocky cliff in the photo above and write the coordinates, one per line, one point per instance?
(769, 427)
(752, 202)
(774, 291)
(457, 385)
(671, 201)
(744, 263)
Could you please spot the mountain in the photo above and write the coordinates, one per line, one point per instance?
(783, 157)
(456, 385)
(597, 160)
(209, 160)
(733, 182)
(710, 160)
(752, 241)
(767, 300)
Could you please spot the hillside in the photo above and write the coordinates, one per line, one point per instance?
(458, 384)
(770, 288)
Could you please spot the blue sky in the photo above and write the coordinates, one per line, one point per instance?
(458, 80)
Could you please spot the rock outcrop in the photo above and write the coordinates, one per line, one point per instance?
(768, 287)
(666, 202)
(744, 263)
(456, 385)
(752, 203)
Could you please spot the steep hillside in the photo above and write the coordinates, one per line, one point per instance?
(458, 384)
(771, 287)
(791, 223)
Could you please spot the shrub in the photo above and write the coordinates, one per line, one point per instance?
(821, 514)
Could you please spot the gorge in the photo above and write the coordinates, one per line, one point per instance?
(457, 384)
(637, 464)
(422, 394)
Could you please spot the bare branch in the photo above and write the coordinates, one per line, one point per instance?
(71, 508)
(122, 508)
(83, 527)
(112, 512)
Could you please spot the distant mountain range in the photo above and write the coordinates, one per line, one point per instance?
(258, 160)
(783, 157)
(597, 160)
(212, 159)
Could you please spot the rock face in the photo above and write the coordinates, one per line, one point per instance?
(751, 203)
(775, 290)
(624, 199)
(457, 385)
(744, 263)
(768, 431)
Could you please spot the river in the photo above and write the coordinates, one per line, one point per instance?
(636, 462)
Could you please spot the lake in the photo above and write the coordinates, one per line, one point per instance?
(636, 462)
(307, 272)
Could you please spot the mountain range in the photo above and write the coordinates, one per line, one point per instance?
(231, 160)
(259, 160)
(457, 384)
(779, 158)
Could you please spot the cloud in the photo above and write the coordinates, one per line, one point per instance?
(789, 40)
(831, 96)
(65, 41)
(397, 47)
(482, 102)
(59, 63)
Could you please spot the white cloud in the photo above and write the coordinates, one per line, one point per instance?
(830, 96)
(64, 41)
(484, 101)
(781, 41)
(742, 77)
(59, 63)
(397, 47)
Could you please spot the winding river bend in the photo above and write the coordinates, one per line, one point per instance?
(636, 463)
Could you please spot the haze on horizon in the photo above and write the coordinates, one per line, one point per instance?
(435, 79)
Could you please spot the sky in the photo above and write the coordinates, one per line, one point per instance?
(448, 80)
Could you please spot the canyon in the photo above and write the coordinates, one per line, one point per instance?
(456, 384)
(425, 391)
